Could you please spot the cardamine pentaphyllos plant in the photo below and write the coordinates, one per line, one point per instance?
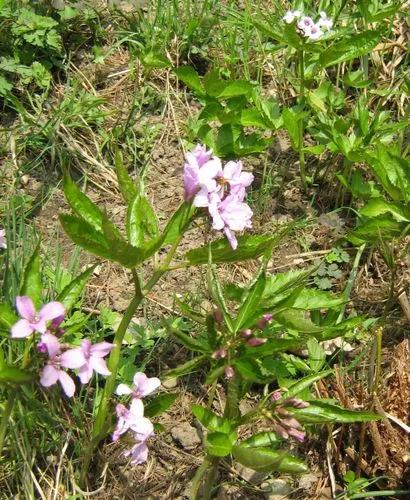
(237, 346)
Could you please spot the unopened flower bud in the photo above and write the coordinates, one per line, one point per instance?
(42, 347)
(256, 341)
(276, 395)
(295, 403)
(246, 333)
(280, 431)
(290, 422)
(229, 372)
(281, 411)
(218, 316)
(299, 435)
(219, 354)
(266, 318)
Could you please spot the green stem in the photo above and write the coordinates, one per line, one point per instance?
(5, 417)
(102, 424)
(302, 163)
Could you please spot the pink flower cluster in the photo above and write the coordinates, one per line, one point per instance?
(133, 419)
(86, 358)
(3, 240)
(306, 26)
(285, 424)
(220, 189)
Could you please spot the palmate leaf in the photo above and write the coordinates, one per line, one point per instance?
(351, 47)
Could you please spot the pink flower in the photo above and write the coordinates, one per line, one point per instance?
(139, 453)
(314, 33)
(3, 240)
(89, 358)
(229, 372)
(229, 215)
(200, 172)
(134, 420)
(305, 24)
(143, 386)
(220, 353)
(255, 342)
(291, 15)
(264, 321)
(324, 21)
(237, 180)
(33, 322)
(52, 372)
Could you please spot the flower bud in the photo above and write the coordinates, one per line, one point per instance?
(266, 318)
(229, 372)
(299, 435)
(42, 347)
(220, 353)
(281, 411)
(218, 316)
(295, 403)
(276, 395)
(256, 341)
(280, 431)
(246, 333)
(290, 422)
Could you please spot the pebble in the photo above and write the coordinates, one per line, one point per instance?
(186, 435)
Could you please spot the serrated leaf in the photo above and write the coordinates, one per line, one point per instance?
(31, 285)
(236, 88)
(141, 221)
(72, 292)
(350, 47)
(268, 460)
(127, 186)
(159, 404)
(219, 444)
(210, 421)
(190, 77)
(81, 204)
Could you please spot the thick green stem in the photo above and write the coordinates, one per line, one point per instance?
(302, 163)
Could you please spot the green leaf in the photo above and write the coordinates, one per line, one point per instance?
(249, 247)
(214, 86)
(218, 444)
(319, 412)
(190, 77)
(262, 439)
(317, 355)
(268, 460)
(251, 302)
(141, 221)
(184, 339)
(12, 375)
(236, 88)
(72, 292)
(350, 48)
(378, 206)
(309, 298)
(381, 228)
(190, 366)
(153, 59)
(31, 285)
(291, 121)
(303, 383)
(81, 204)
(127, 186)
(124, 253)
(211, 421)
(159, 404)
(7, 317)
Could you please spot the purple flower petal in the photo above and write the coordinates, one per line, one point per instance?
(139, 454)
(25, 307)
(137, 408)
(49, 376)
(101, 349)
(230, 235)
(85, 373)
(150, 385)
(123, 390)
(67, 383)
(51, 311)
(73, 358)
(99, 365)
(52, 344)
(142, 429)
(21, 329)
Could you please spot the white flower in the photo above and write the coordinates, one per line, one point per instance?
(291, 15)
(314, 33)
(324, 21)
(3, 241)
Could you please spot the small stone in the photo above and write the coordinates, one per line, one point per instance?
(250, 475)
(171, 383)
(276, 489)
(186, 435)
(25, 179)
(307, 481)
